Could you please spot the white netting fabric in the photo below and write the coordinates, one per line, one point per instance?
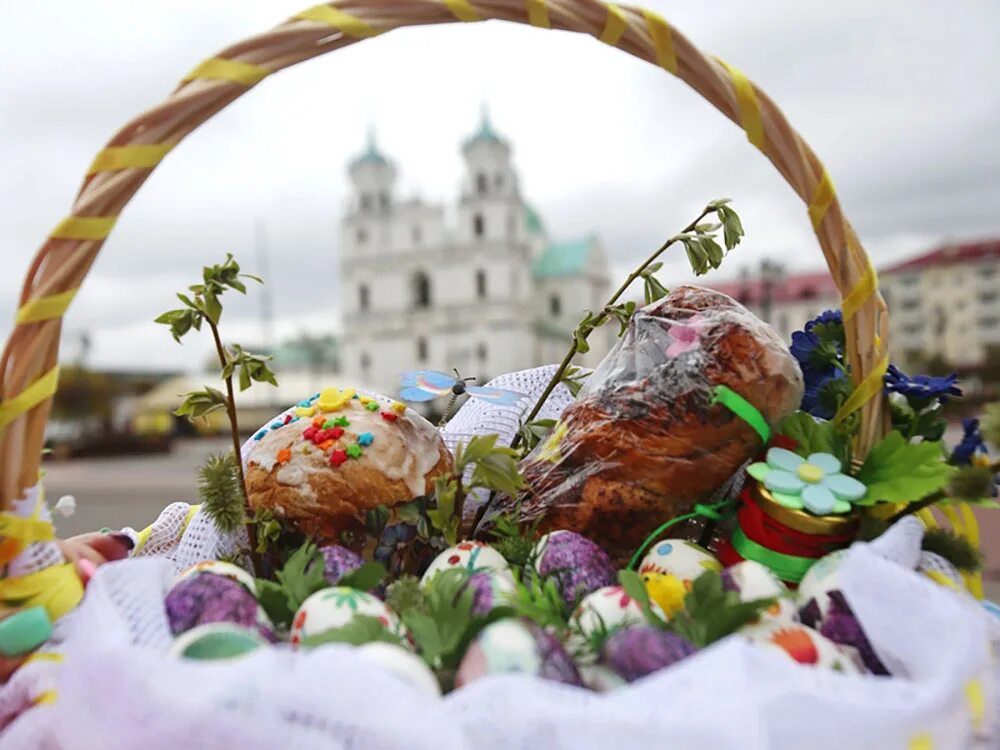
(118, 689)
(38, 555)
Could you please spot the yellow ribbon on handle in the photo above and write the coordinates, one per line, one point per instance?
(821, 200)
(746, 101)
(614, 26)
(462, 10)
(25, 529)
(30, 397)
(538, 14)
(866, 390)
(865, 288)
(234, 71)
(663, 40)
(45, 308)
(58, 588)
(339, 20)
(138, 156)
(84, 228)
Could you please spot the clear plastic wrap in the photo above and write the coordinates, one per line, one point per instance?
(647, 438)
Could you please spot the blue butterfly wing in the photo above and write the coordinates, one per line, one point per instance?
(434, 378)
(495, 395)
(412, 393)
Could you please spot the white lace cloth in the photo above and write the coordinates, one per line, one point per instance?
(117, 688)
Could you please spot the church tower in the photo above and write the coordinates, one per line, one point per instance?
(490, 205)
(373, 179)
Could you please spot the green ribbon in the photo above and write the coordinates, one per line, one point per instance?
(787, 567)
(743, 409)
(715, 512)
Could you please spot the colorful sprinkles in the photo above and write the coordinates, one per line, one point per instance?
(365, 439)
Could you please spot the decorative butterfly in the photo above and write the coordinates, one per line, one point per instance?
(427, 385)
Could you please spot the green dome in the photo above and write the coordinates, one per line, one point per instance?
(371, 154)
(532, 221)
(485, 134)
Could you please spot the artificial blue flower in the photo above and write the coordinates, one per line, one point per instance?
(816, 484)
(826, 317)
(972, 444)
(812, 398)
(921, 386)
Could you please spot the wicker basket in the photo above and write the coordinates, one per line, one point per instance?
(29, 369)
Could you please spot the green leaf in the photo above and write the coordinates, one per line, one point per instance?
(274, 601)
(365, 578)
(653, 291)
(302, 575)
(633, 585)
(212, 307)
(360, 630)
(712, 251)
(812, 435)
(200, 403)
(732, 227)
(651, 269)
(711, 613)
(478, 447)
(900, 472)
(498, 471)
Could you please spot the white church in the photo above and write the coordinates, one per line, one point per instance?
(478, 286)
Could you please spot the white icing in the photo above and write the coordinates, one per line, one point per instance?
(405, 449)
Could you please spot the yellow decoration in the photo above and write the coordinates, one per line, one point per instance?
(663, 40)
(57, 588)
(462, 10)
(339, 20)
(45, 308)
(921, 741)
(84, 228)
(864, 289)
(30, 397)
(305, 411)
(365, 400)
(538, 14)
(614, 27)
(977, 704)
(550, 448)
(137, 156)
(866, 389)
(46, 698)
(746, 100)
(333, 399)
(810, 473)
(668, 591)
(398, 407)
(234, 71)
(51, 656)
(821, 200)
(25, 529)
(942, 580)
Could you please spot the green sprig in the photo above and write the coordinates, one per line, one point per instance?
(219, 492)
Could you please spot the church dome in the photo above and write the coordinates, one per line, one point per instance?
(485, 134)
(371, 154)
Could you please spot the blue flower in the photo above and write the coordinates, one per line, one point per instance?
(922, 387)
(813, 399)
(804, 343)
(827, 317)
(971, 444)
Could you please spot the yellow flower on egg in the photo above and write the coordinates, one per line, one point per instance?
(666, 590)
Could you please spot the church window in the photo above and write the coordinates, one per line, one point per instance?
(421, 290)
(481, 183)
(383, 200)
(481, 284)
(366, 201)
(482, 352)
(421, 349)
(555, 305)
(478, 225)
(363, 298)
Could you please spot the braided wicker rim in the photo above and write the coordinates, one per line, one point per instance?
(64, 259)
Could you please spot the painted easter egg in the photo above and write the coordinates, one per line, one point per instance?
(639, 650)
(404, 664)
(219, 568)
(577, 565)
(334, 608)
(805, 646)
(471, 556)
(609, 608)
(204, 598)
(338, 561)
(489, 591)
(680, 558)
(751, 581)
(218, 640)
(517, 646)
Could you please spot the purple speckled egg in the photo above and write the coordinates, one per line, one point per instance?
(206, 598)
(338, 562)
(488, 591)
(517, 646)
(578, 566)
(639, 650)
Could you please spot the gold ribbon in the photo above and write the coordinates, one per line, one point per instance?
(137, 156)
(821, 200)
(84, 228)
(746, 100)
(867, 389)
(57, 588)
(30, 397)
(538, 14)
(663, 40)
(45, 308)
(234, 71)
(462, 10)
(614, 26)
(865, 288)
(343, 22)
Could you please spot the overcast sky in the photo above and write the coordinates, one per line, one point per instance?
(900, 99)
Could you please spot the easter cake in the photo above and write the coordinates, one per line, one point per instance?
(336, 456)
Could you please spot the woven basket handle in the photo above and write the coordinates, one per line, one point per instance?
(29, 365)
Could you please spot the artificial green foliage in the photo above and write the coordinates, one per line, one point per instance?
(538, 598)
(199, 403)
(405, 594)
(360, 630)
(989, 424)
(953, 548)
(898, 471)
(710, 612)
(219, 492)
(811, 435)
(301, 577)
(444, 516)
(971, 484)
(268, 529)
(515, 541)
(365, 578)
